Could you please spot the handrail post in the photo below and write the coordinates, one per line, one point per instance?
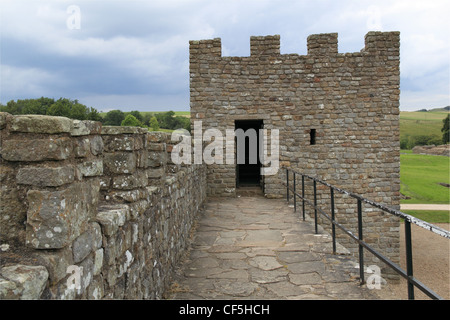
(315, 206)
(408, 274)
(409, 261)
(295, 197)
(333, 227)
(303, 196)
(287, 185)
(360, 237)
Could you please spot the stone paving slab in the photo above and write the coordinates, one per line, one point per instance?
(258, 248)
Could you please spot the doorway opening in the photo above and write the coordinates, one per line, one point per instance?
(248, 164)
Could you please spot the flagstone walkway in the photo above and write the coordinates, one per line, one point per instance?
(258, 248)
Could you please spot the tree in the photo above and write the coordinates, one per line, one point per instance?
(182, 123)
(445, 130)
(421, 140)
(94, 115)
(137, 115)
(78, 111)
(130, 121)
(114, 118)
(146, 117)
(60, 108)
(166, 119)
(154, 123)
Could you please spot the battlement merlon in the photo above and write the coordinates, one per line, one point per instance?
(385, 43)
(206, 47)
(266, 45)
(321, 44)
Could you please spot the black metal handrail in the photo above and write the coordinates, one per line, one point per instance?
(408, 219)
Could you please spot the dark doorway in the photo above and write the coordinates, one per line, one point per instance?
(248, 165)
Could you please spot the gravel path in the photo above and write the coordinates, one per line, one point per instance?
(431, 256)
(425, 207)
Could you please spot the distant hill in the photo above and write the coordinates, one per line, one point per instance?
(444, 109)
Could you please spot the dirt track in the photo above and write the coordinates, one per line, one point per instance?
(431, 255)
(444, 207)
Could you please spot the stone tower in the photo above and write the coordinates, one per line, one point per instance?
(337, 113)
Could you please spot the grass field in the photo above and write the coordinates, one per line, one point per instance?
(431, 216)
(420, 176)
(421, 123)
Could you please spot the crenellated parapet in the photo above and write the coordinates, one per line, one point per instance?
(325, 44)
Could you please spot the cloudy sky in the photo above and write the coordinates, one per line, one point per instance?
(134, 54)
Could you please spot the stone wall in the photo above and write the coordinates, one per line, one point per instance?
(108, 200)
(441, 150)
(351, 100)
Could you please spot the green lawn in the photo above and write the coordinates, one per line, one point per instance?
(430, 215)
(420, 176)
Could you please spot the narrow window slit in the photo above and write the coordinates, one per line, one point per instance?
(312, 137)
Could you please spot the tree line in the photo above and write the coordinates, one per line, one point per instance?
(73, 109)
(47, 106)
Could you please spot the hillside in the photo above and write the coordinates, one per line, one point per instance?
(417, 125)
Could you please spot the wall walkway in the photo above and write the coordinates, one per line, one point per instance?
(258, 248)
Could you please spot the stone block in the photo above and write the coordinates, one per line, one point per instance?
(120, 162)
(23, 282)
(98, 261)
(85, 127)
(141, 158)
(157, 136)
(57, 262)
(157, 146)
(114, 130)
(155, 173)
(119, 143)
(81, 147)
(138, 208)
(97, 145)
(87, 242)
(4, 119)
(13, 210)
(41, 124)
(91, 168)
(37, 149)
(128, 182)
(156, 159)
(56, 218)
(45, 176)
(126, 195)
(87, 275)
(112, 217)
